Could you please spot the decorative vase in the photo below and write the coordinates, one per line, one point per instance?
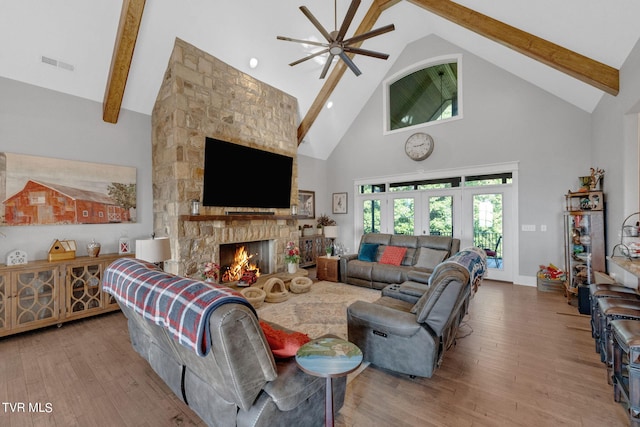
(93, 248)
(292, 268)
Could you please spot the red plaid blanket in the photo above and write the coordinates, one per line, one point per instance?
(181, 305)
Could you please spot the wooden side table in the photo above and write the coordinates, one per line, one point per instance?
(327, 268)
(330, 358)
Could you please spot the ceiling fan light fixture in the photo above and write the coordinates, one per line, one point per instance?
(336, 45)
(335, 49)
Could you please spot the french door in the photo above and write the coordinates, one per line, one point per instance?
(487, 224)
(478, 216)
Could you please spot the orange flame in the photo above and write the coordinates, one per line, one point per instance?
(241, 263)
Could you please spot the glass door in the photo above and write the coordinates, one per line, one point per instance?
(487, 216)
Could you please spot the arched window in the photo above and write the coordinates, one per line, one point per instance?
(424, 93)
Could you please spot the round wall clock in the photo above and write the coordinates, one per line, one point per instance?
(16, 257)
(419, 146)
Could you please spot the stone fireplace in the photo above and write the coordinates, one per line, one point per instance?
(201, 97)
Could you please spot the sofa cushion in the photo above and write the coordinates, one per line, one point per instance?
(385, 273)
(429, 258)
(393, 255)
(360, 269)
(435, 242)
(409, 257)
(368, 252)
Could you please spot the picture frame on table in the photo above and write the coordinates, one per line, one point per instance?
(306, 203)
(339, 203)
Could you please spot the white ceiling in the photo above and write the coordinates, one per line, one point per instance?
(82, 33)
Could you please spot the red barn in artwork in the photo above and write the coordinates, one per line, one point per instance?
(45, 203)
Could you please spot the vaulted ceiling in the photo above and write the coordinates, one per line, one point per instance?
(572, 48)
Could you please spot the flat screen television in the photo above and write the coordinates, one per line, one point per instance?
(239, 176)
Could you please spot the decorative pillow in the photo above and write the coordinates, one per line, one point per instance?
(429, 258)
(368, 252)
(283, 344)
(393, 255)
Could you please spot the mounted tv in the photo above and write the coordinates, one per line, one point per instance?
(239, 176)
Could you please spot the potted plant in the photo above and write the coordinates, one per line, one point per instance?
(324, 221)
(211, 272)
(292, 257)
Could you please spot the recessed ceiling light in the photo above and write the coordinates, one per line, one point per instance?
(329, 104)
(253, 62)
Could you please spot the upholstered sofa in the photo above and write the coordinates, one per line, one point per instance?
(371, 268)
(412, 337)
(235, 381)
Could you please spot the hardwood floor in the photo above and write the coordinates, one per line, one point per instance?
(527, 359)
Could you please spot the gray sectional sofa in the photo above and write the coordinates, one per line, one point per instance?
(411, 336)
(238, 382)
(369, 268)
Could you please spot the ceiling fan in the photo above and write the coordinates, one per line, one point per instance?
(336, 45)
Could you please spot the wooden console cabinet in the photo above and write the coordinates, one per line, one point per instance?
(327, 268)
(43, 293)
(311, 247)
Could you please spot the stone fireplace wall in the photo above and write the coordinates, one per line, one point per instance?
(202, 96)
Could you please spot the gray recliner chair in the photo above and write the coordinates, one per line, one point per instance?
(408, 338)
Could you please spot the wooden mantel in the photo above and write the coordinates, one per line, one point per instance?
(240, 217)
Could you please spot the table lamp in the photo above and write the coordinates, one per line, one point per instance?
(331, 232)
(155, 251)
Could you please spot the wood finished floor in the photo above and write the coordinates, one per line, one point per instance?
(522, 364)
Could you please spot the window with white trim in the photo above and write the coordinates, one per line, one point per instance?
(427, 92)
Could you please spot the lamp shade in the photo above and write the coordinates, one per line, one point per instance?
(153, 250)
(331, 231)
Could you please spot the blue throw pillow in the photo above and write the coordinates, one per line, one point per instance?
(368, 252)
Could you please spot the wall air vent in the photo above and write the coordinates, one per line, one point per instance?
(56, 63)
(50, 61)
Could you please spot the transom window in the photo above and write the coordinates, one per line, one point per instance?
(431, 184)
(425, 93)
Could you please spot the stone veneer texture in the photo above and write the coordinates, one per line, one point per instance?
(202, 96)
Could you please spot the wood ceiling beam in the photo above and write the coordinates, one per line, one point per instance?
(374, 12)
(578, 66)
(130, 18)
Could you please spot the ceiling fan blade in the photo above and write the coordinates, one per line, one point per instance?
(353, 8)
(326, 66)
(370, 34)
(316, 23)
(312, 43)
(350, 64)
(306, 58)
(366, 52)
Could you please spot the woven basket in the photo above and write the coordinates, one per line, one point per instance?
(300, 285)
(275, 290)
(255, 296)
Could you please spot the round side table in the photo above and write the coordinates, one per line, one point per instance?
(329, 358)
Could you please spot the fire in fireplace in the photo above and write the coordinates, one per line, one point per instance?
(240, 265)
(244, 261)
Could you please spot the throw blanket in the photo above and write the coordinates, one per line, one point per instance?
(183, 306)
(469, 261)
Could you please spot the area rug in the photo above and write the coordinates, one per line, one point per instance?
(321, 311)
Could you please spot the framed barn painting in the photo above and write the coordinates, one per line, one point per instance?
(46, 191)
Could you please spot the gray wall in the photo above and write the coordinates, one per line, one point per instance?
(505, 120)
(615, 146)
(42, 122)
